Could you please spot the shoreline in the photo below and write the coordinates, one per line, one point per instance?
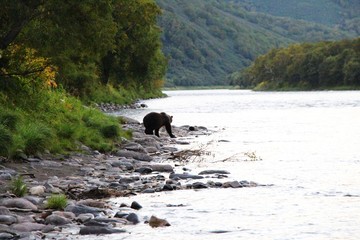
(145, 164)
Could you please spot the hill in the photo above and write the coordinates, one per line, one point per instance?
(206, 41)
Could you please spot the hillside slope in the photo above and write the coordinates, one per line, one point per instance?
(206, 41)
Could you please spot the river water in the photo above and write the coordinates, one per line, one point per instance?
(304, 145)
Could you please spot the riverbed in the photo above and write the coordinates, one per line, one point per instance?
(303, 146)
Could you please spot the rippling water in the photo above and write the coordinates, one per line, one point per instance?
(306, 145)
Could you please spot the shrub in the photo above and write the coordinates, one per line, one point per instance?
(18, 187)
(110, 131)
(58, 201)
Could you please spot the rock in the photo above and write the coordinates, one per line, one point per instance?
(133, 218)
(148, 141)
(10, 236)
(199, 185)
(132, 146)
(122, 163)
(28, 227)
(68, 215)
(151, 149)
(144, 170)
(7, 219)
(84, 217)
(158, 222)
(129, 179)
(128, 120)
(99, 230)
(168, 187)
(148, 190)
(162, 167)
(18, 203)
(92, 203)
(37, 190)
(233, 184)
(205, 172)
(57, 220)
(79, 209)
(93, 222)
(4, 211)
(135, 205)
(121, 215)
(135, 155)
(35, 200)
(184, 176)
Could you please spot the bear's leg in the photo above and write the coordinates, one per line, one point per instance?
(149, 131)
(168, 129)
(157, 132)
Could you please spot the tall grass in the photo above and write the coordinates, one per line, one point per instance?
(57, 123)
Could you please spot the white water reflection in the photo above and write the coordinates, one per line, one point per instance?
(309, 146)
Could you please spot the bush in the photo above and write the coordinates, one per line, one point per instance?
(111, 131)
(18, 187)
(58, 202)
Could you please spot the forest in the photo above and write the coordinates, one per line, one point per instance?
(57, 56)
(207, 41)
(323, 65)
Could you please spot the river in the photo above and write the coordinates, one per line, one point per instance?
(304, 145)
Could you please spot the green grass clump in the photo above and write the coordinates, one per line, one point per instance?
(58, 202)
(18, 186)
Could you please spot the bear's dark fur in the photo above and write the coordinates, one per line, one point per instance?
(154, 121)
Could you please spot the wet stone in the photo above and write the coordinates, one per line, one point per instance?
(57, 220)
(233, 184)
(135, 205)
(148, 190)
(208, 172)
(133, 218)
(27, 227)
(184, 176)
(144, 170)
(199, 185)
(134, 155)
(7, 219)
(79, 209)
(96, 230)
(168, 187)
(18, 203)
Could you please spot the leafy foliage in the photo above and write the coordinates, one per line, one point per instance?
(305, 66)
(208, 40)
(90, 43)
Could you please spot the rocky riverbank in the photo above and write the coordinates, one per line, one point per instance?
(144, 165)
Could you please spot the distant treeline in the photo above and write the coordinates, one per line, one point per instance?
(304, 66)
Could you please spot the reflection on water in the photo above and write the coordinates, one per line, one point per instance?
(308, 143)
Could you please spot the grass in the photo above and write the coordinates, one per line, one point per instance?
(18, 187)
(57, 201)
(56, 123)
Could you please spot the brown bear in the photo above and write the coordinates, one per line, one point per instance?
(154, 121)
